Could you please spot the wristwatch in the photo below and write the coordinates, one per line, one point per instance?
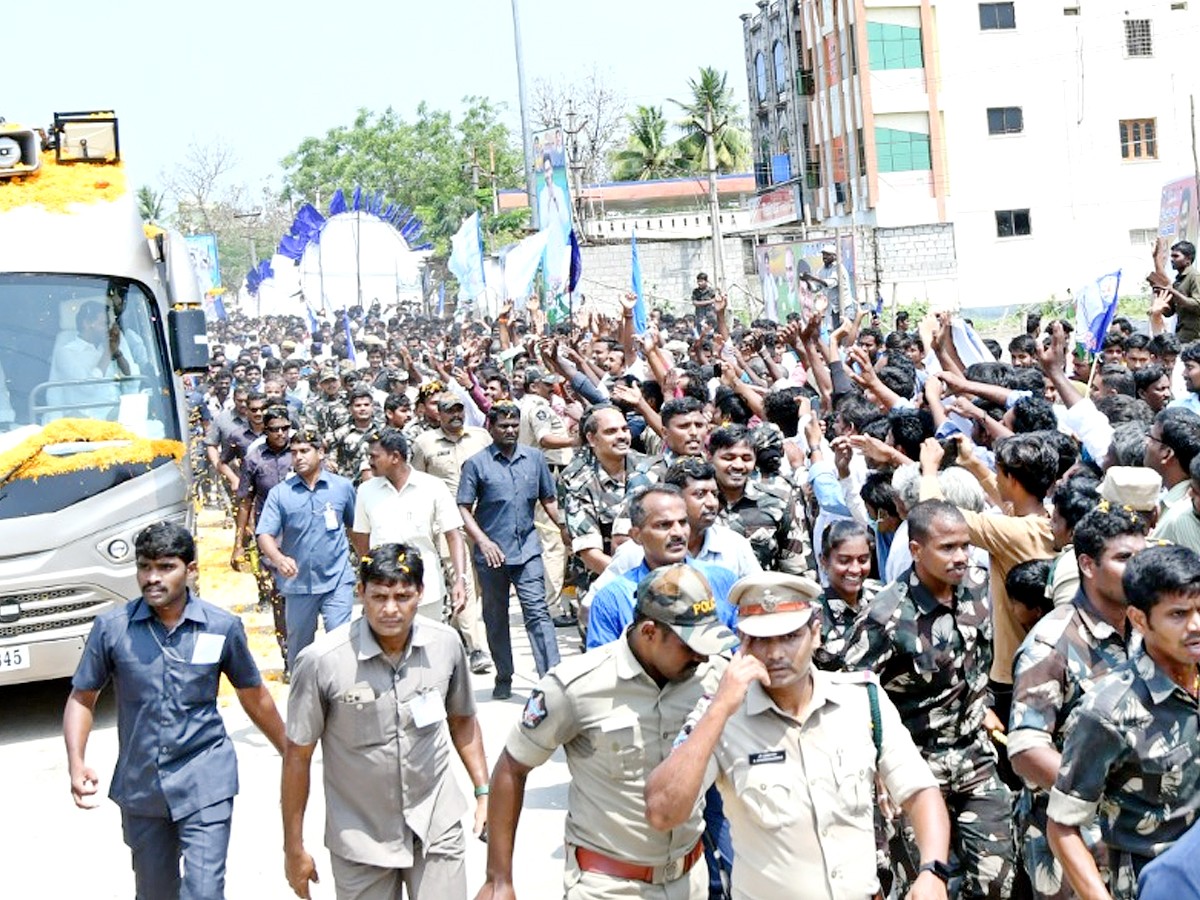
(938, 868)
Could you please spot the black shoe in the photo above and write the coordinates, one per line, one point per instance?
(502, 691)
(567, 621)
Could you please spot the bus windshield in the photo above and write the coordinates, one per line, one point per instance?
(82, 346)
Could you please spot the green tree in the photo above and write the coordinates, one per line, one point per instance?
(151, 203)
(711, 93)
(428, 164)
(647, 154)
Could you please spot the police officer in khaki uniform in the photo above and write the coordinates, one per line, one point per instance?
(614, 711)
(441, 452)
(792, 751)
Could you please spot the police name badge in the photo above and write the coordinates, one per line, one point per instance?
(427, 708)
(768, 756)
(535, 710)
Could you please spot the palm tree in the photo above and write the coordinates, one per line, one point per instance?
(150, 204)
(711, 94)
(647, 152)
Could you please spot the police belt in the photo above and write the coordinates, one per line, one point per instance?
(591, 861)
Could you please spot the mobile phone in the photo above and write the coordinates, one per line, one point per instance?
(716, 370)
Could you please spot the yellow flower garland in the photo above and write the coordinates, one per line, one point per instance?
(26, 460)
(56, 188)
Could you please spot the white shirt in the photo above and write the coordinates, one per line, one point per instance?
(417, 514)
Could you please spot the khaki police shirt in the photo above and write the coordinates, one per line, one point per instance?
(433, 452)
(615, 725)
(800, 794)
(538, 419)
(386, 778)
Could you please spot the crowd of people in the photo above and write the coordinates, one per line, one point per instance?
(865, 611)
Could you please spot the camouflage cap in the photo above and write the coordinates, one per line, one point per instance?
(680, 597)
(536, 373)
(771, 604)
(766, 436)
(328, 374)
(448, 400)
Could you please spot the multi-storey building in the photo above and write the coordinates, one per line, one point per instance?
(984, 154)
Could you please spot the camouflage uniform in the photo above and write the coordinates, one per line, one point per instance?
(933, 661)
(772, 520)
(352, 447)
(1058, 662)
(651, 471)
(326, 416)
(592, 501)
(837, 620)
(415, 428)
(1131, 756)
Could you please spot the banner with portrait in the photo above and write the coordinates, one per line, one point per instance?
(554, 218)
(781, 269)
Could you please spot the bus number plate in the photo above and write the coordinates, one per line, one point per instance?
(13, 658)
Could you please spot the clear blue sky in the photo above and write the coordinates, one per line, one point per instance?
(262, 75)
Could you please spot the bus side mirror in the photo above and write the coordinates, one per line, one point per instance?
(189, 340)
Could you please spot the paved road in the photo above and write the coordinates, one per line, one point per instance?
(51, 849)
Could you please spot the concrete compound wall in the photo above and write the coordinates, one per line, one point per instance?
(910, 264)
(669, 270)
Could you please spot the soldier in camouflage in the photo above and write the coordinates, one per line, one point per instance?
(352, 442)
(327, 412)
(426, 418)
(684, 430)
(846, 561)
(769, 516)
(1058, 662)
(1131, 755)
(592, 491)
(928, 636)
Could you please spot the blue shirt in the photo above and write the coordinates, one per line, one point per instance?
(262, 469)
(174, 756)
(1176, 873)
(1190, 402)
(504, 493)
(310, 526)
(613, 606)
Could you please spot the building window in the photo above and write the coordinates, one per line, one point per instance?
(997, 16)
(1138, 41)
(1012, 223)
(780, 56)
(1139, 139)
(1005, 120)
(861, 144)
(1142, 237)
(901, 151)
(894, 46)
(760, 75)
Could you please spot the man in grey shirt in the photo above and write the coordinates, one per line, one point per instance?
(386, 697)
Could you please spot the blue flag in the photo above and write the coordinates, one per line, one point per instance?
(639, 309)
(576, 263)
(441, 300)
(312, 320)
(349, 340)
(1095, 306)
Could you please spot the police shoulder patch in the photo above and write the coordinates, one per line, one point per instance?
(541, 414)
(535, 710)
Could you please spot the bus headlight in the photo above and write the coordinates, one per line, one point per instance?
(117, 549)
